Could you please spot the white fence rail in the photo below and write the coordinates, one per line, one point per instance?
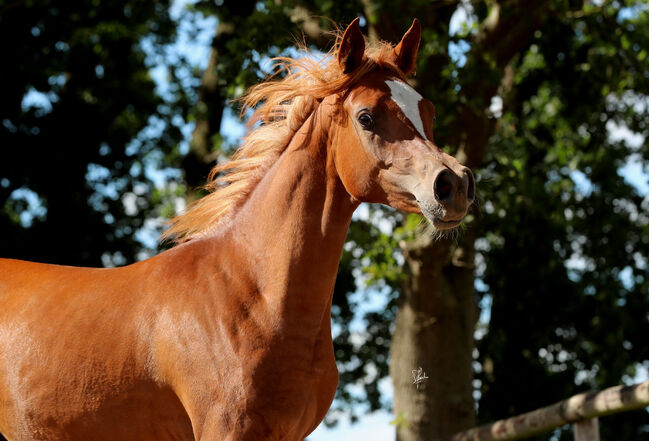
(580, 410)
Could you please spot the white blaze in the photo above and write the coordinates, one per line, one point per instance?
(407, 99)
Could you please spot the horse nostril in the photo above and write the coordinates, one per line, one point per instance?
(444, 186)
(470, 192)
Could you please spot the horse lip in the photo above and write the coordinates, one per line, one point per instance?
(433, 216)
(446, 224)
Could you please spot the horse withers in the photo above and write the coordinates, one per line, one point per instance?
(226, 336)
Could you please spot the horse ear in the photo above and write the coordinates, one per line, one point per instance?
(352, 47)
(405, 53)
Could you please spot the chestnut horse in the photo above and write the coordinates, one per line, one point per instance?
(227, 335)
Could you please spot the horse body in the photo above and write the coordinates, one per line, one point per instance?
(226, 336)
(253, 325)
(236, 337)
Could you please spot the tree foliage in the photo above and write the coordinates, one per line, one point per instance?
(565, 234)
(77, 97)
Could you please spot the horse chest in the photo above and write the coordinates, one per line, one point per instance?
(276, 383)
(290, 395)
(289, 367)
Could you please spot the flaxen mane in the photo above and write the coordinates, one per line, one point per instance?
(282, 106)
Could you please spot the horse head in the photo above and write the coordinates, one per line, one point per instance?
(384, 149)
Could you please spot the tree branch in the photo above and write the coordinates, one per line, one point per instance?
(507, 29)
(311, 28)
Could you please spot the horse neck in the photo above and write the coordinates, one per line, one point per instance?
(294, 224)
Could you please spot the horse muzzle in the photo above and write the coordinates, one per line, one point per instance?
(451, 196)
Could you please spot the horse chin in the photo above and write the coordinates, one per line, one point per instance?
(441, 224)
(437, 217)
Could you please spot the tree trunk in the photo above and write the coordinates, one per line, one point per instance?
(434, 331)
(209, 112)
(437, 311)
(211, 99)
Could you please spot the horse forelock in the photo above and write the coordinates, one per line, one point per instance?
(281, 106)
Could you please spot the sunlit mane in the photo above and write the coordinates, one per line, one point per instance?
(281, 106)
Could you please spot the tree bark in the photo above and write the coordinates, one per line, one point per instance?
(434, 331)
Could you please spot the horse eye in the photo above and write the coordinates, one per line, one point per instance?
(366, 120)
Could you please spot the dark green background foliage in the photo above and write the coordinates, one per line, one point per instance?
(561, 238)
(588, 322)
(85, 149)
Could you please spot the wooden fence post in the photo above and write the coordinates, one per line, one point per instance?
(581, 410)
(586, 430)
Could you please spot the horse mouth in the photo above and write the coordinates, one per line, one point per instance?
(442, 224)
(436, 216)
